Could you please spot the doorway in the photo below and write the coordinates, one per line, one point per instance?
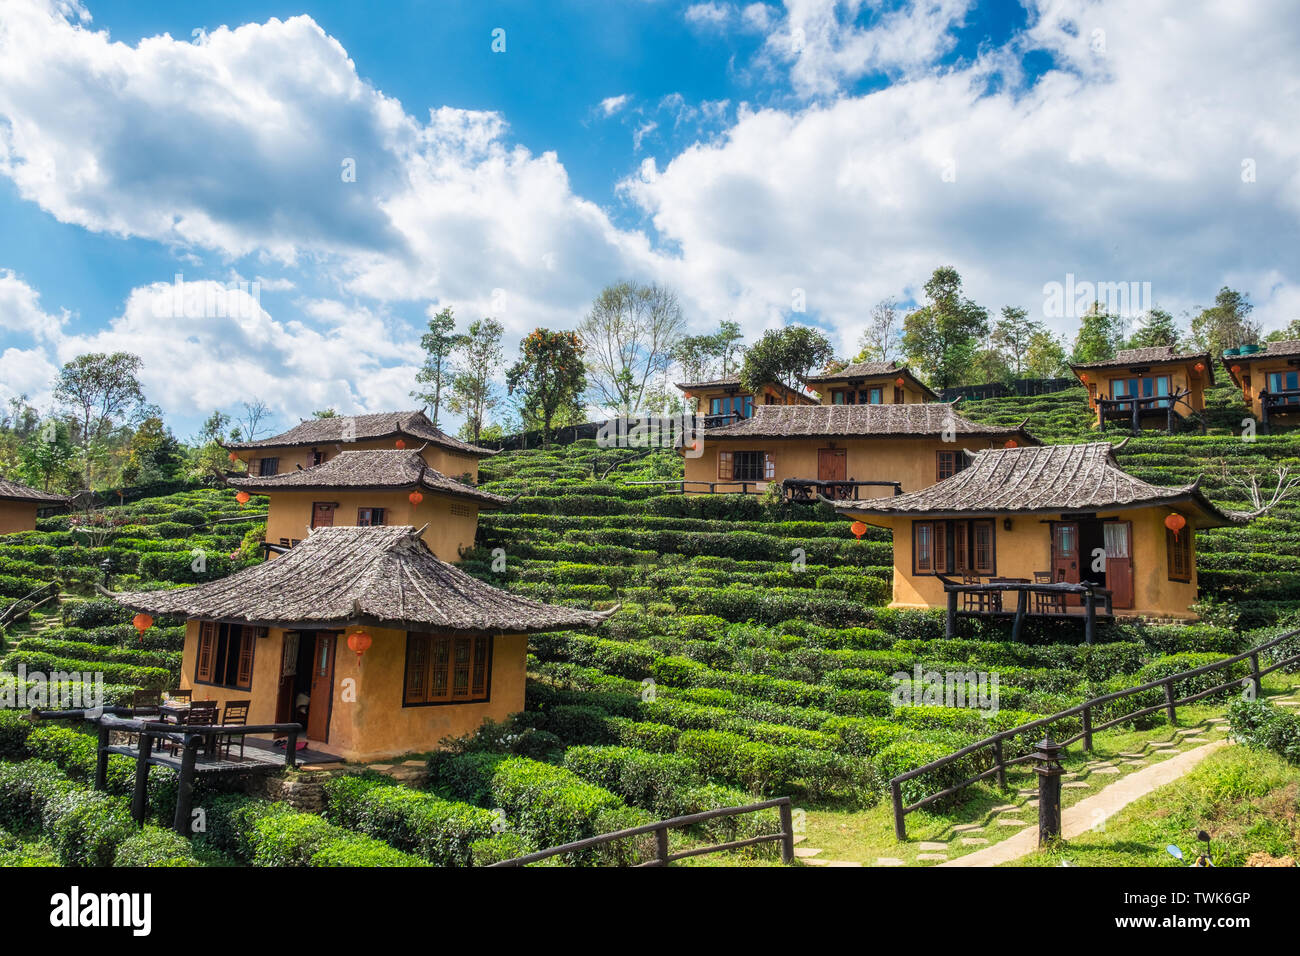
(832, 464)
(1119, 562)
(306, 693)
(322, 514)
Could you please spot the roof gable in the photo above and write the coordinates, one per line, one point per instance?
(341, 429)
(930, 419)
(14, 491)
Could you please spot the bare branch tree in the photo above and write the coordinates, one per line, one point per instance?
(1261, 499)
(255, 413)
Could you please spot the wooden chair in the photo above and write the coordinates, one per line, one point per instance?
(181, 696)
(234, 715)
(1047, 603)
(201, 713)
(144, 703)
(974, 600)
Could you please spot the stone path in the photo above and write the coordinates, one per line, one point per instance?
(1100, 806)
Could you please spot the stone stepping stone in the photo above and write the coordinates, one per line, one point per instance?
(1168, 750)
(1076, 785)
(816, 862)
(1217, 720)
(799, 839)
(1289, 703)
(381, 767)
(1008, 822)
(1028, 791)
(1031, 803)
(1005, 807)
(1135, 763)
(1069, 775)
(1131, 756)
(1107, 770)
(974, 841)
(835, 863)
(967, 827)
(932, 845)
(1195, 740)
(932, 856)
(804, 852)
(888, 861)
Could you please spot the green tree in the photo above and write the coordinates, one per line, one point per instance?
(709, 356)
(154, 454)
(784, 357)
(325, 413)
(1045, 356)
(630, 336)
(473, 393)
(1158, 328)
(1288, 333)
(1226, 324)
(548, 379)
(1012, 334)
(100, 391)
(1098, 338)
(438, 344)
(48, 456)
(941, 337)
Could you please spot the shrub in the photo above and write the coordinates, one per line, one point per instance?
(231, 819)
(14, 728)
(1261, 725)
(94, 613)
(25, 789)
(154, 846)
(86, 827)
(498, 847)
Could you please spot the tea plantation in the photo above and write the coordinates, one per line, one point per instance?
(752, 657)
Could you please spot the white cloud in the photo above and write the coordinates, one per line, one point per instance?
(712, 15)
(20, 309)
(612, 104)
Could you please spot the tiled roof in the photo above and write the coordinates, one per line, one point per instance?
(349, 428)
(859, 421)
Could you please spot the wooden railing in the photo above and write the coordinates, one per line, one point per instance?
(812, 489)
(663, 857)
(1084, 711)
(1086, 590)
(1133, 407)
(1284, 400)
(708, 487)
(29, 602)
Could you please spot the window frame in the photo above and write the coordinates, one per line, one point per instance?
(262, 465)
(1176, 546)
(482, 649)
(212, 659)
(946, 537)
(369, 514)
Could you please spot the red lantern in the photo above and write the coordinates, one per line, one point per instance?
(234, 457)
(899, 381)
(399, 443)
(1011, 443)
(1236, 370)
(243, 497)
(1200, 367)
(359, 642)
(415, 498)
(142, 623)
(1083, 376)
(1175, 523)
(858, 529)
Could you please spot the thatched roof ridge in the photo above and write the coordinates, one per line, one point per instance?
(382, 577)
(386, 469)
(865, 370)
(1284, 349)
(332, 431)
(927, 420)
(14, 491)
(1156, 355)
(1050, 479)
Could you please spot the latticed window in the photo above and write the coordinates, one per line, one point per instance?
(1180, 554)
(973, 549)
(370, 517)
(225, 655)
(746, 466)
(447, 669)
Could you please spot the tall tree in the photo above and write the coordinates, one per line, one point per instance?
(250, 425)
(438, 344)
(48, 456)
(1287, 333)
(549, 379)
(100, 390)
(941, 337)
(1045, 355)
(154, 454)
(1226, 324)
(879, 341)
(784, 357)
(1158, 328)
(1098, 338)
(630, 336)
(712, 355)
(1012, 334)
(473, 393)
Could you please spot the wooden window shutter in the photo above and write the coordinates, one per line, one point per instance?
(247, 638)
(960, 546)
(482, 647)
(724, 466)
(207, 651)
(982, 532)
(417, 665)
(922, 547)
(1180, 557)
(940, 548)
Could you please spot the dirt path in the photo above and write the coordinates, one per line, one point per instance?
(1087, 813)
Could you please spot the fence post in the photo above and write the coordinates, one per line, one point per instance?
(101, 760)
(950, 624)
(185, 787)
(661, 845)
(1047, 765)
(291, 749)
(900, 821)
(1087, 729)
(1090, 622)
(140, 796)
(787, 833)
(1254, 673)
(1002, 767)
(1169, 702)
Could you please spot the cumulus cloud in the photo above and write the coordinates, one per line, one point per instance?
(612, 104)
(21, 311)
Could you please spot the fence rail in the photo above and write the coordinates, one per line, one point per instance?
(660, 829)
(1084, 710)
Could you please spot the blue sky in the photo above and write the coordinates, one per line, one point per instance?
(751, 155)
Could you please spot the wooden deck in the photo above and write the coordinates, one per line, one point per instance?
(259, 755)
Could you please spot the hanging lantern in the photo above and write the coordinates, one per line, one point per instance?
(359, 642)
(858, 529)
(1236, 370)
(142, 623)
(1175, 523)
(399, 444)
(899, 381)
(243, 497)
(1200, 367)
(1083, 376)
(415, 498)
(234, 457)
(1011, 443)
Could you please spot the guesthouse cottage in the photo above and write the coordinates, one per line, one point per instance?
(364, 636)
(20, 506)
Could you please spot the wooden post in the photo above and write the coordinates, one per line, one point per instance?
(101, 760)
(661, 845)
(1254, 673)
(1047, 765)
(140, 796)
(1002, 767)
(1087, 729)
(185, 788)
(950, 624)
(1022, 605)
(787, 833)
(291, 749)
(1090, 618)
(900, 821)
(1169, 702)
(1136, 426)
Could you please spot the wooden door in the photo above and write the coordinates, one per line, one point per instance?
(1119, 562)
(288, 677)
(832, 464)
(322, 514)
(322, 687)
(1065, 555)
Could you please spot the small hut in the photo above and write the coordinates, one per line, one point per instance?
(1155, 386)
(871, 383)
(1269, 379)
(365, 637)
(20, 506)
(387, 486)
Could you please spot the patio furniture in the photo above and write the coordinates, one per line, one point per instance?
(180, 696)
(200, 713)
(975, 600)
(235, 714)
(1047, 602)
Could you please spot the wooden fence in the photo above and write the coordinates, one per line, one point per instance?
(660, 829)
(1084, 711)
